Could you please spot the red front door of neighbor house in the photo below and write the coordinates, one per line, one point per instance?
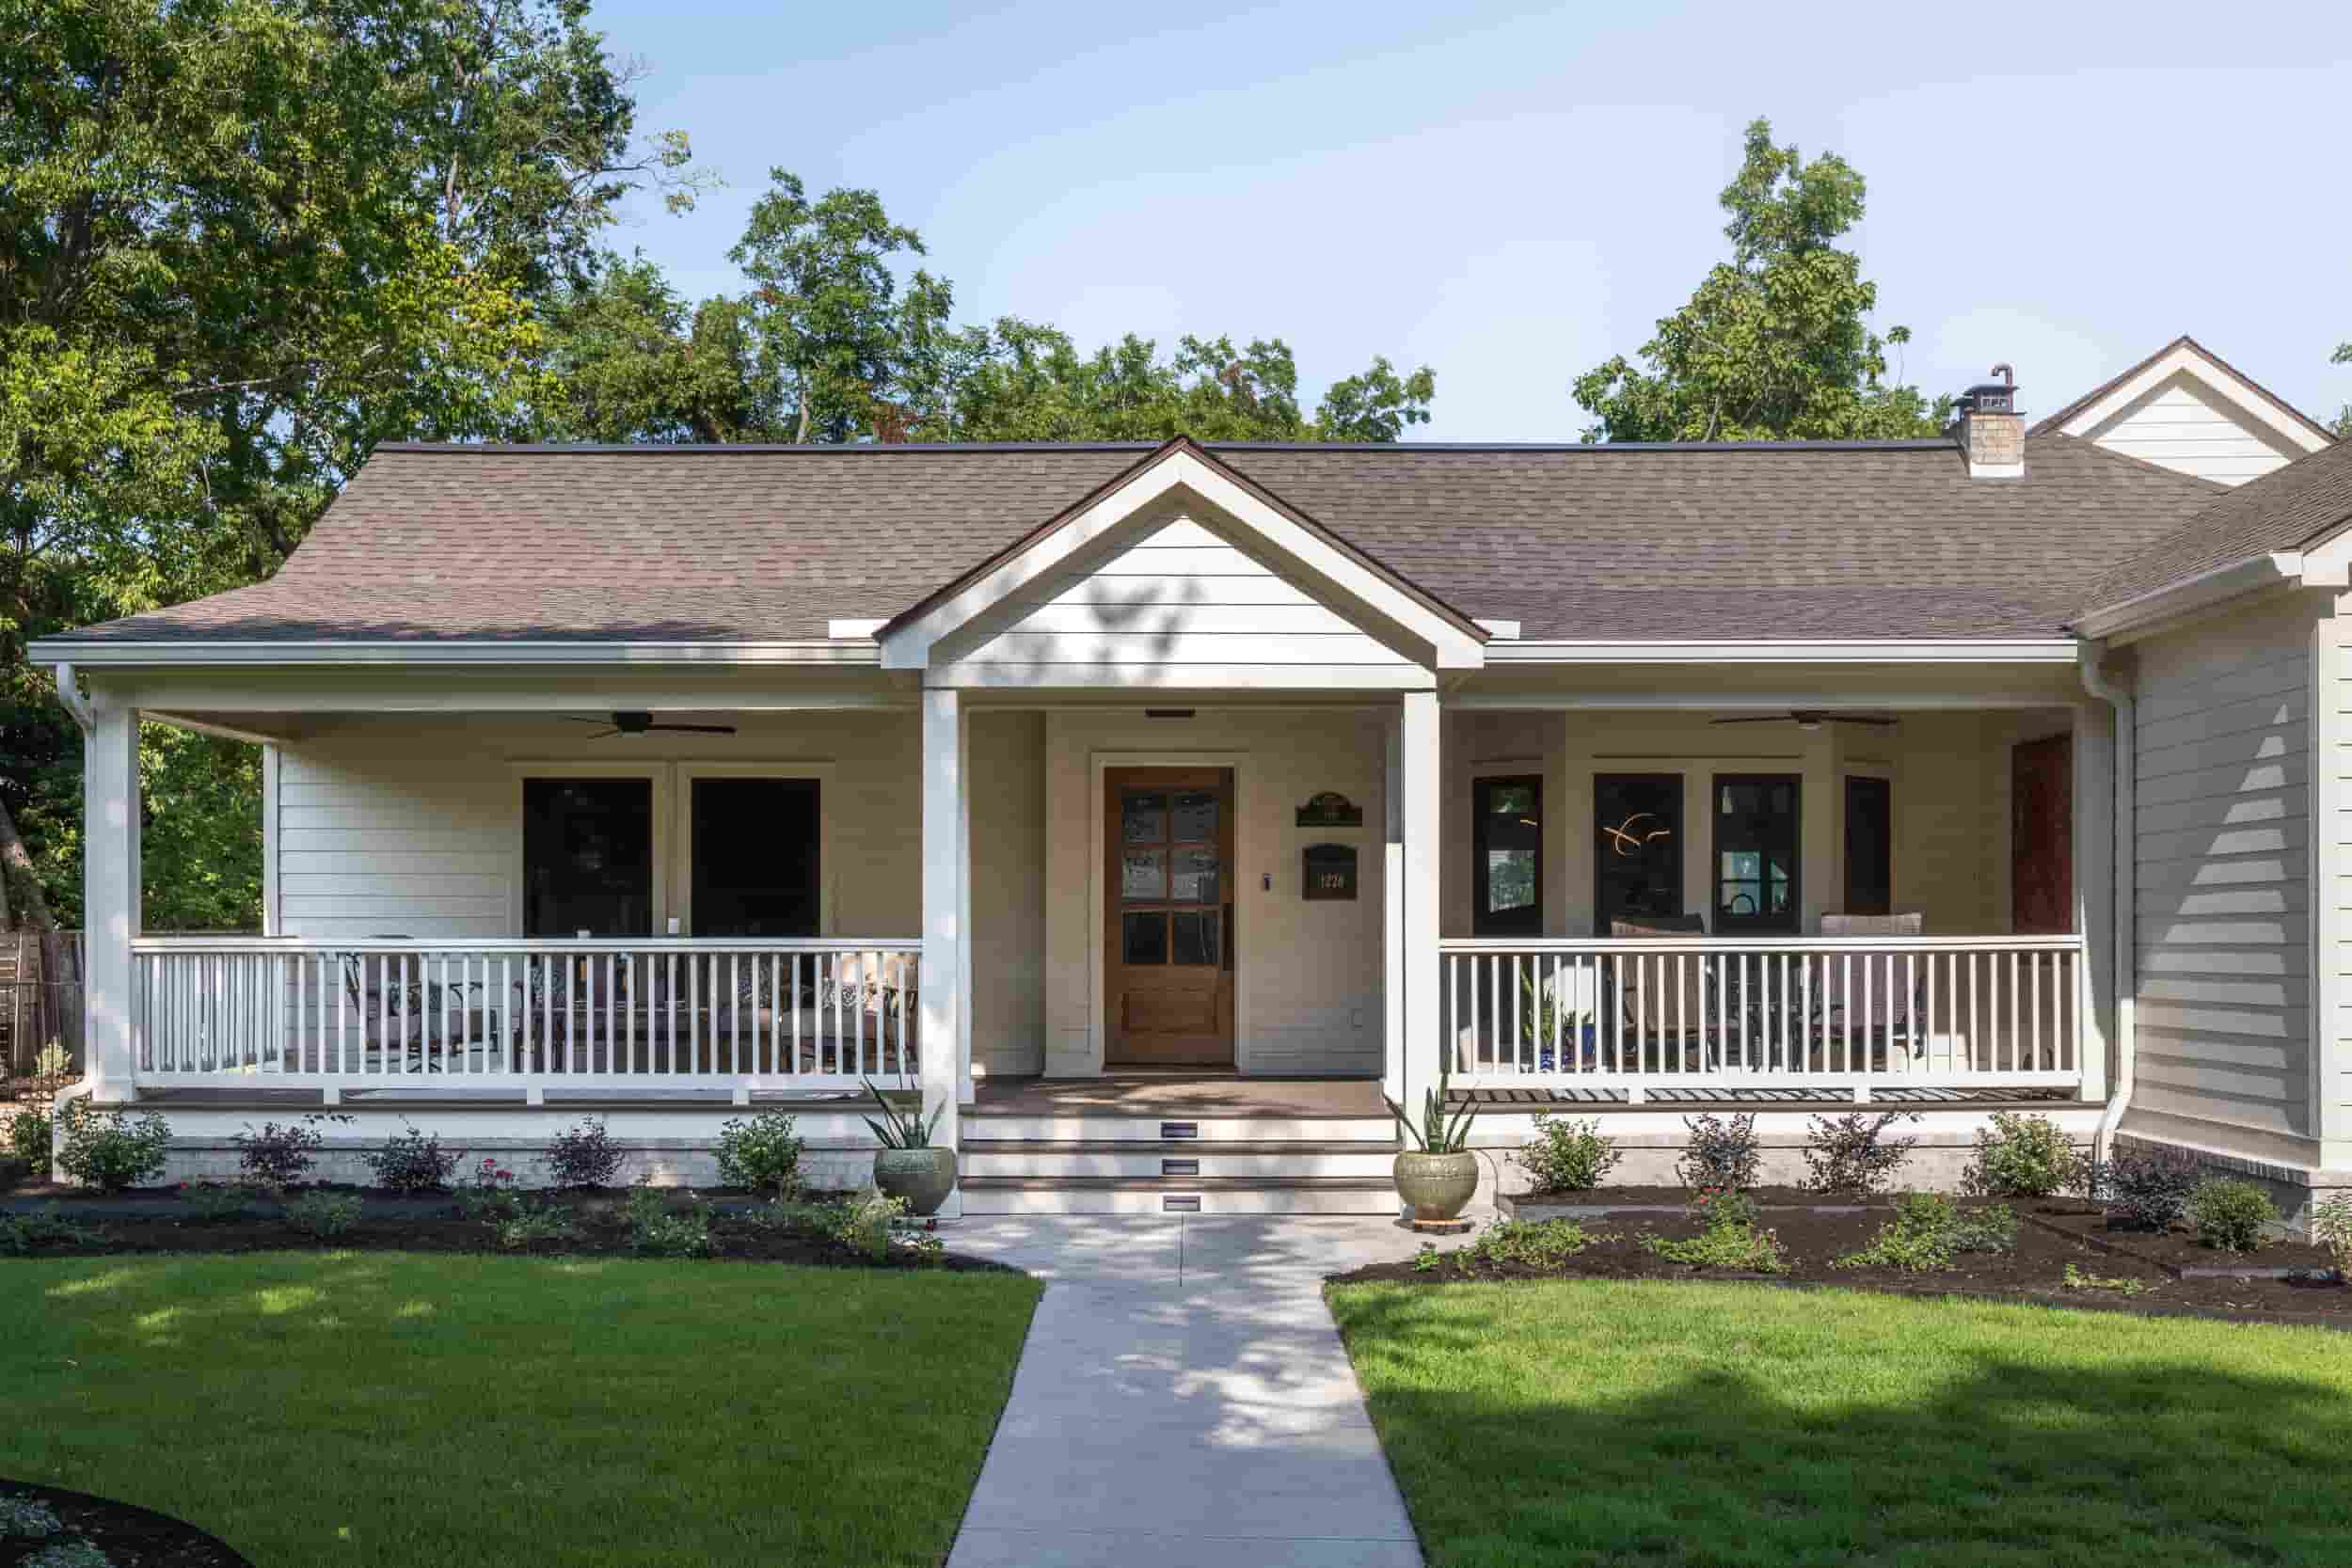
(2042, 838)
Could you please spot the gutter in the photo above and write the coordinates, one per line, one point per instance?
(2125, 880)
(70, 694)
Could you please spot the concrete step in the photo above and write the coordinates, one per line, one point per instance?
(1095, 1127)
(1138, 1157)
(1121, 1195)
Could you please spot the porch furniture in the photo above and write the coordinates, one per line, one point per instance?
(1676, 1035)
(1896, 1020)
(406, 1018)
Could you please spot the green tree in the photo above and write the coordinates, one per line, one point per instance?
(2343, 427)
(1776, 343)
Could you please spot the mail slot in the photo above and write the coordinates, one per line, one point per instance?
(1328, 870)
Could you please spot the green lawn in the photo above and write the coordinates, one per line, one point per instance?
(1651, 1423)
(381, 1409)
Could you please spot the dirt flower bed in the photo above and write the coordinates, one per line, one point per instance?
(45, 1524)
(661, 1221)
(2176, 1248)
(2045, 1261)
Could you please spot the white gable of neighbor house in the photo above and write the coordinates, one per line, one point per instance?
(1180, 606)
(2183, 413)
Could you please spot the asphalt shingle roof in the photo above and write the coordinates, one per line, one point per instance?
(2284, 510)
(667, 543)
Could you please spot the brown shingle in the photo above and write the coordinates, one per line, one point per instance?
(2284, 510)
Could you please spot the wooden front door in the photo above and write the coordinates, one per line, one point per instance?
(2042, 838)
(1168, 965)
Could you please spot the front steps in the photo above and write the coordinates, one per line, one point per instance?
(1096, 1162)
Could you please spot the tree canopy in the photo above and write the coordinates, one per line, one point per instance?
(2343, 427)
(1777, 343)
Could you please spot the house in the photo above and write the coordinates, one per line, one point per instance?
(1155, 809)
(2186, 408)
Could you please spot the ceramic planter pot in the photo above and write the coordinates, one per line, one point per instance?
(924, 1177)
(1436, 1186)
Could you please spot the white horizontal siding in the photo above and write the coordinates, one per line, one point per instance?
(1182, 597)
(2185, 426)
(2222, 852)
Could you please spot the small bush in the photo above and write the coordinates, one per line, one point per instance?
(323, 1214)
(583, 1156)
(761, 1154)
(2331, 1228)
(47, 1227)
(28, 1139)
(2022, 1156)
(76, 1553)
(1851, 1154)
(28, 1518)
(109, 1148)
(489, 1191)
(793, 1219)
(1528, 1243)
(1567, 1156)
(1929, 1231)
(1732, 1240)
(1990, 1229)
(217, 1202)
(863, 1224)
(281, 1157)
(411, 1162)
(2146, 1189)
(535, 1222)
(2122, 1283)
(2231, 1214)
(655, 1228)
(1725, 1155)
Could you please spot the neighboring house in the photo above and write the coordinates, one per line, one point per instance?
(2185, 407)
(1151, 807)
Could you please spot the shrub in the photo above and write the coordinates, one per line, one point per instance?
(1567, 1156)
(2331, 1228)
(1725, 1155)
(761, 1154)
(1529, 1244)
(654, 1226)
(48, 1227)
(2022, 1156)
(535, 1222)
(1851, 1153)
(76, 1553)
(1929, 1231)
(217, 1202)
(28, 1139)
(2146, 1189)
(411, 1162)
(583, 1155)
(281, 1157)
(2231, 1214)
(323, 1214)
(489, 1191)
(109, 1148)
(1732, 1240)
(863, 1224)
(27, 1516)
(2122, 1283)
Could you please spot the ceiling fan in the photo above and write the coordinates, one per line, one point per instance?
(640, 723)
(1808, 719)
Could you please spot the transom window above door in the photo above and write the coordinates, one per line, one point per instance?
(1507, 856)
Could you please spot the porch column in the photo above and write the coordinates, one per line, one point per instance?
(110, 895)
(1418, 743)
(945, 1045)
(2094, 888)
(1396, 968)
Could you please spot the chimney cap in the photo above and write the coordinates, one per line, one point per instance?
(1989, 397)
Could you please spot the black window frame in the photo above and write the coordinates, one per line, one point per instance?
(1675, 786)
(1525, 921)
(1759, 924)
(1879, 900)
(538, 820)
(808, 804)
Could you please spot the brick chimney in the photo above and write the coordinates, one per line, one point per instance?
(1989, 429)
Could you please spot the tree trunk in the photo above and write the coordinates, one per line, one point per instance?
(22, 885)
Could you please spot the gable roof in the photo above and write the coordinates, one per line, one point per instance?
(2288, 509)
(2217, 372)
(744, 544)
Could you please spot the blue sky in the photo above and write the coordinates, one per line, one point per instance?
(1511, 194)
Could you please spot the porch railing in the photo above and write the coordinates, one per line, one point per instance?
(652, 1013)
(1699, 1012)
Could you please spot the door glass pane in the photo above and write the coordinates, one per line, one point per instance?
(1870, 847)
(1637, 846)
(1143, 817)
(587, 856)
(1195, 818)
(1196, 935)
(755, 869)
(1756, 854)
(1143, 936)
(1143, 875)
(1193, 875)
(1508, 851)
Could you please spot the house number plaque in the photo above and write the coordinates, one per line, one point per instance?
(1329, 871)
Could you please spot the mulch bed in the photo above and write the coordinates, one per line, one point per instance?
(161, 1221)
(2177, 1251)
(2032, 1271)
(1614, 1195)
(131, 1537)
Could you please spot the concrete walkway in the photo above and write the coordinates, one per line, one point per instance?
(1184, 1400)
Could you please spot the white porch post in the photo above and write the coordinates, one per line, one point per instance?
(110, 895)
(1418, 745)
(2094, 888)
(1397, 967)
(944, 1043)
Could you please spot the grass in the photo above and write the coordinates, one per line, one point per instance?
(385, 1408)
(1653, 1423)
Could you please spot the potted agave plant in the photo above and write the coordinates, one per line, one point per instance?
(1439, 1175)
(907, 1166)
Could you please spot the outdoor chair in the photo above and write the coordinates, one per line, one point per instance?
(409, 1020)
(1892, 1021)
(1627, 991)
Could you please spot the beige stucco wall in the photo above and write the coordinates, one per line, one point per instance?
(1306, 975)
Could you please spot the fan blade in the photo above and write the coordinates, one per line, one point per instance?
(695, 729)
(1759, 719)
(600, 733)
(1859, 719)
(575, 719)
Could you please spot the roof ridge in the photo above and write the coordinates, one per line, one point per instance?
(654, 449)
